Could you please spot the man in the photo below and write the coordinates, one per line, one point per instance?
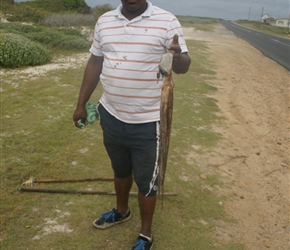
(128, 45)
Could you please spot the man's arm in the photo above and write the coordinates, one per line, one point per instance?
(91, 78)
(181, 61)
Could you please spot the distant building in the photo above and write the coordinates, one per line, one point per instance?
(279, 22)
(282, 22)
(268, 19)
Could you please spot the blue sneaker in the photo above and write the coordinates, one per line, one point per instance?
(111, 218)
(143, 243)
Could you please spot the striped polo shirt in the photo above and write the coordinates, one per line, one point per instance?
(132, 51)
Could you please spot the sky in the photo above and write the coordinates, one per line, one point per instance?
(228, 9)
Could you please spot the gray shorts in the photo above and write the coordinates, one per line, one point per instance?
(132, 148)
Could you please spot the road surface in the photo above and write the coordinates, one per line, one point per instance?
(276, 48)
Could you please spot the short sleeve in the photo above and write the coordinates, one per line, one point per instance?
(96, 48)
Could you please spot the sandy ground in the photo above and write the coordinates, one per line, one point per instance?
(253, 94)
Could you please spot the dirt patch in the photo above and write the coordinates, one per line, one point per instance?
(53, 226)
(253, 94)
(65, 62)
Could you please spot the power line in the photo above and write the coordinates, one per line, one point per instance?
(287, 6)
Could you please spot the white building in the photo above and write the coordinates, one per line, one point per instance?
(268, 19)
(281, 22)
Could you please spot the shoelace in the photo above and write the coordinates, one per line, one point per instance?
(140, 244)
(109, 215)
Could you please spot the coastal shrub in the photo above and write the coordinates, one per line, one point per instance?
(58, 5)
(59, 40)
(52, 38)
(17, 51)
(69, 20)
(74, 42)
(100, 10)
(19, 28)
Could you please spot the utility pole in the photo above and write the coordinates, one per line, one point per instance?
(262, 14)
(249, 14)
(288, 26)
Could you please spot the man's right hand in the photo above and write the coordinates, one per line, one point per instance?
(79, 114)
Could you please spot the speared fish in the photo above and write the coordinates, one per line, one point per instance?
(166, 108)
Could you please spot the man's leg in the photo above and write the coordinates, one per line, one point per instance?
(145, 169)
(121, 213)
(122, 188)
(147, 207)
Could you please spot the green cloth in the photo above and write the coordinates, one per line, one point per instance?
(92, 115)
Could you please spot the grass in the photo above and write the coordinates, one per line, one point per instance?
(266, 28)
(38, 139)
(199, 23)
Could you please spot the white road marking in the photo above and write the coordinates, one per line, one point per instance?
(280, 42)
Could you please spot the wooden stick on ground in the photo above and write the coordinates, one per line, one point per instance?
(71, 180)
(64, 191)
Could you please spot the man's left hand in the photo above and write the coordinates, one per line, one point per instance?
(175, 49)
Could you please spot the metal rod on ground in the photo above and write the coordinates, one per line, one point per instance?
(71, 180)
(62, 191)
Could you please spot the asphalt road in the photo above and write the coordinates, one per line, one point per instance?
(276, 48)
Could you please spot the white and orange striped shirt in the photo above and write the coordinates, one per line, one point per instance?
(132, 51)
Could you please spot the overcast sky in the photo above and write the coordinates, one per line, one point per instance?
(231, 9)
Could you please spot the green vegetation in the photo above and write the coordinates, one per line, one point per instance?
(54, 26)
(68, 20)
(199, 23)
(21, 44)
(18, 51)
(60, 40)
(57, 5)
(34, 11)
(38, 11)
(266, 28)
(100, 10)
